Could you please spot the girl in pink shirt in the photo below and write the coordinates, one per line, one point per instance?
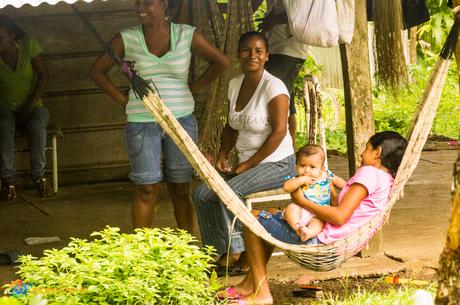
(364, 195)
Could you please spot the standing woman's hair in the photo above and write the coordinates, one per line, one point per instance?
(247, 35)
(393, 146)
(8, 24)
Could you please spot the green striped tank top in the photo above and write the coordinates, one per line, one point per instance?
(169, 72)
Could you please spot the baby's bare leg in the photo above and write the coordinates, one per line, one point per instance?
(315, 226)
(293, 215)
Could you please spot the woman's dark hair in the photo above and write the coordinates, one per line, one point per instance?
(8, 24)
(247, 35)
(393, 146)
(309, 150)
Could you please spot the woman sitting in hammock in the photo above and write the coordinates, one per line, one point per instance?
(257, 128)
(364, 195)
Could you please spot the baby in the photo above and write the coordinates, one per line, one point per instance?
(317, 185)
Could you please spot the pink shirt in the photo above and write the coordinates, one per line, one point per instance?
(378, 184)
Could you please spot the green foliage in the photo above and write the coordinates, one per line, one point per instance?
(259, 14)
(395, 113)
(9, 301)
(152, 266)
(432, 34)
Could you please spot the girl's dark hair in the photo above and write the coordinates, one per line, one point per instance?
(250, 34)
(393, 146)
(8, 24)
(309, 150)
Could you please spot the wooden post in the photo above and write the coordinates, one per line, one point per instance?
(358, 96)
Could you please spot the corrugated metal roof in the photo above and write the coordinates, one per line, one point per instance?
(19, 3)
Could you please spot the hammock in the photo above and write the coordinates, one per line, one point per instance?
(318, 257)
(315, 257)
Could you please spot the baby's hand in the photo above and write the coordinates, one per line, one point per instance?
(307, 180)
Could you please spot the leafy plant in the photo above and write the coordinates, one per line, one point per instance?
(152, 266)
(9, 301)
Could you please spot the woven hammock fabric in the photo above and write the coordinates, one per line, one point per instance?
(315, 257)
(19, 3)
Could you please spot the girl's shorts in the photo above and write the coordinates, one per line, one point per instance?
(146, 143)
(279, 229)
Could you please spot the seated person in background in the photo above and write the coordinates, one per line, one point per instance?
(23, 78)
(317, 185)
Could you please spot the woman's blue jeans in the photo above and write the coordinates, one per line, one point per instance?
(216, 220)
(36, 131)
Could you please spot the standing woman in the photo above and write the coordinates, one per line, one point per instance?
(23, 78)
(162, 51)
(257, 127)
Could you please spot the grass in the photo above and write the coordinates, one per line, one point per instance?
(394, 295)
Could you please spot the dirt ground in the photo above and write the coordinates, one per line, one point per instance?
(413, 238)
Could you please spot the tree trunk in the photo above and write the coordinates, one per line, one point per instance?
(358, 100)
(357, 87)
(449, 262)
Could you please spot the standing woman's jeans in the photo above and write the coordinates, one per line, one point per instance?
(36, 131)
(216, 220)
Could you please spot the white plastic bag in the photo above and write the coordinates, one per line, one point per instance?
(346, 17)
(313, 22)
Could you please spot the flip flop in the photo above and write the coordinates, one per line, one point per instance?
(228, 294)
(9, 257)
(230, 271)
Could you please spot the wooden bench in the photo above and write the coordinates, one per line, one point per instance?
(54, 132)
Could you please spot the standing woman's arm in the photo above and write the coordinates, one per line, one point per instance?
(217, 61)
(278, 109)
(101, 68)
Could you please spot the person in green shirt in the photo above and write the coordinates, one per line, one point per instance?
(23, 78)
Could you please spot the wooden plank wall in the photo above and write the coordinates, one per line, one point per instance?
(92, 148)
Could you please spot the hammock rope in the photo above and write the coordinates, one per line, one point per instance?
(315, 257)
